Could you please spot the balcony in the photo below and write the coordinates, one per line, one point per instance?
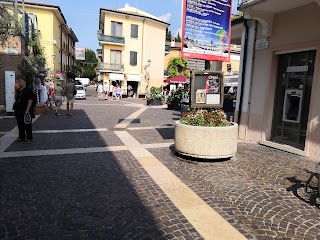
(271, 6)
(111, 67)
(99, 52)
(112, 40)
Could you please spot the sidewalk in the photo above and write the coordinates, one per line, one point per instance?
(110, 172)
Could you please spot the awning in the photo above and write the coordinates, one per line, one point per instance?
(177, 79)
(133, 77)
(116, 76)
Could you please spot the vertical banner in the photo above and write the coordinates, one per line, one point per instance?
(206, 29)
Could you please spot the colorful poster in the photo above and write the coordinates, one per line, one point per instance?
(201, 96)
(206, 29)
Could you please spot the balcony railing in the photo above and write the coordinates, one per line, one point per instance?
(245, 3)
(99, 52)
(111, 39)
(112, 67)
(72, 51)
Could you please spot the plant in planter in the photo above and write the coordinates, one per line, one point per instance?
(155, 96)
(174, 99)
(206, 134)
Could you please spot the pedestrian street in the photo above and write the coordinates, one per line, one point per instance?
(110, 172)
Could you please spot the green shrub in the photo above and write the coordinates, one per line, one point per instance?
(155, 93)
(206, 118)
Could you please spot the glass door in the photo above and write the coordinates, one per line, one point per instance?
(293, 92)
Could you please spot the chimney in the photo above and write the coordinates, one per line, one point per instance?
(173, 42)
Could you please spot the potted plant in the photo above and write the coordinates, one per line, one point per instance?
(206, 134)
(174, 99)
(155, 96)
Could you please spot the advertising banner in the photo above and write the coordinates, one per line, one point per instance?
(80, 53)
(206, 29)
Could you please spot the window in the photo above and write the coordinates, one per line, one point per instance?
(134, 30)
(115, 61)
(133, 58)
(116, 29)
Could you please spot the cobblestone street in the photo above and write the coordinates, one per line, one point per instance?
(104, 174)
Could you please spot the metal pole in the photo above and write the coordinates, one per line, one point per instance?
(16, 13)
(23, 20)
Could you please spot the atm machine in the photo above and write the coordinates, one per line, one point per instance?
(292, 105)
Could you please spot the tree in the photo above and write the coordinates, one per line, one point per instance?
(88, 67)
(177, 67)
(8, 25)
(168, 35)
(178, 38)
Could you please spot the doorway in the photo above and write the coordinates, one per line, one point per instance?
(292, 98)
(132, 89)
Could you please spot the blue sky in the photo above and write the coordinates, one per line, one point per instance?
(83, 15)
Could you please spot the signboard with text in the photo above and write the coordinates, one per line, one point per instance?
(206, 29)
(207, 89)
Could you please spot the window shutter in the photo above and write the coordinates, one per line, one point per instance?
(134, 30)
(133, 58)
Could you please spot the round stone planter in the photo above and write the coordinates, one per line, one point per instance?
(206, 142)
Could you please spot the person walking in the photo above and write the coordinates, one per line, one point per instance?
(111, 91)
(118, 92)
(100, 91)
(51, 94)
(105, 91)
(70, 91)
(58, 95)
(23, 111)
(43, 93)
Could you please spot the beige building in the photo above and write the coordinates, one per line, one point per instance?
(133, 49)
(279, 104)
(57, 39)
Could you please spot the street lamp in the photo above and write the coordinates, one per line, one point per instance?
(148, 65)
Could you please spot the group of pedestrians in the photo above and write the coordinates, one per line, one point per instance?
(25, 101)
(105, 93)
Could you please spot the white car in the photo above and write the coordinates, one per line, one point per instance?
(81, 92)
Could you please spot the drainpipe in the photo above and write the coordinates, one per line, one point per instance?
(251, 74)
(241, 78)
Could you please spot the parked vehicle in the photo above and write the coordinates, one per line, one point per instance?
(81, 93)
(84, 81)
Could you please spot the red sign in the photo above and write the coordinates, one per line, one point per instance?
(58, 75)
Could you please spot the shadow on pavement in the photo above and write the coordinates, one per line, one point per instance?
(299, 190)
(93, 196)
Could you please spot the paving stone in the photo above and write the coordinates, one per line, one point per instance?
(252, 186)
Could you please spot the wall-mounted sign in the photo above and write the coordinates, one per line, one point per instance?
(262, 43)
(80, 53)
(206, 30)
(9, 86)
(297, 68)
(12, 51)
(206, 89)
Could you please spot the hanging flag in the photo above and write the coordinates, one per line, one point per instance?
(206, 29)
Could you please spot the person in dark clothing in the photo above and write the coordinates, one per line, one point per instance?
(22, 106)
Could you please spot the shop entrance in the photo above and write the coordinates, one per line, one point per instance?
(292, 99)
(132, 89)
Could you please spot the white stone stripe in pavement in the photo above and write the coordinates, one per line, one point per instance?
(128, 120)
(9, 138)
(148, 128)
(203, 218)
(72, 130)
(61, 151)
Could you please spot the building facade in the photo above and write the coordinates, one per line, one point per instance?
(133, 49)
(57, 39)
(279, 104)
